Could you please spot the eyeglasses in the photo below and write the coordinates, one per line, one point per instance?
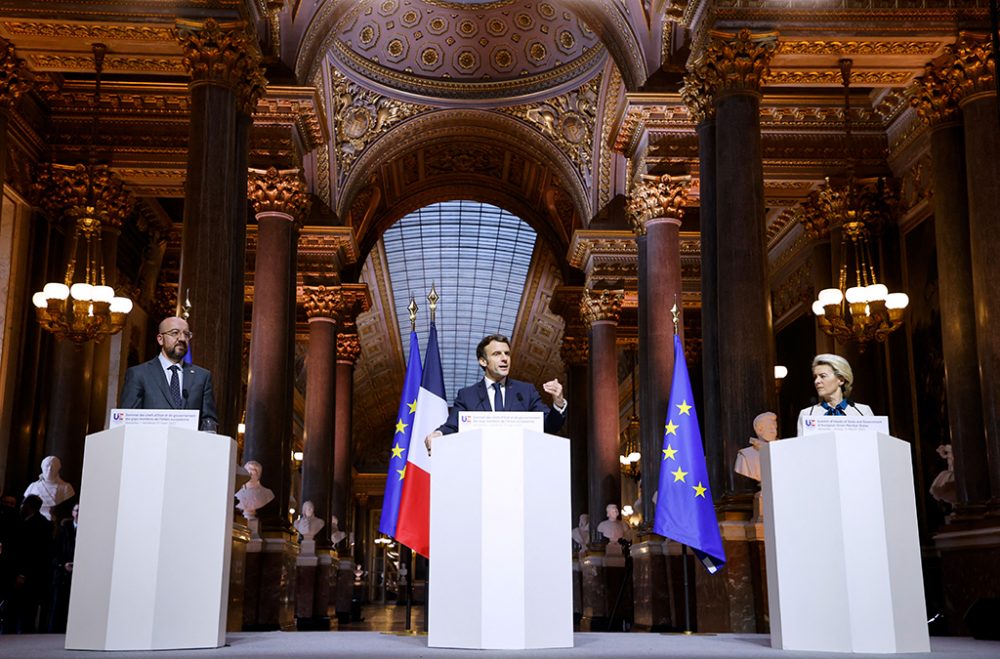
(174, 333)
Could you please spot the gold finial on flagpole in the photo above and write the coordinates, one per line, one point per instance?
(433, 298)
(186, 308)
(413, 308)
(676, 313)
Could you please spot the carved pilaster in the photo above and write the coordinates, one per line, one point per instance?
(575, 350)
(13, 75)
(602, 305)
(348, 345)
(657, 197)
(737, 62)
(225, 54)
(279, 191)
(323, 302)
(67, 190)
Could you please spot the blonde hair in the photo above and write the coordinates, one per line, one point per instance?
(840, 368)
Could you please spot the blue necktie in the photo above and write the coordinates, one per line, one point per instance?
(175, 386)
(835, 411)
(497, 398)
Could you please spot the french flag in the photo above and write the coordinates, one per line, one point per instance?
(413, 527)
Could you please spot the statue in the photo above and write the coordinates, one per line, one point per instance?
(51, 489)
(613, 528)
(765, 427)
(253, 495)
(943, 487)
(308, 524)
(336, 535)
(581, 534)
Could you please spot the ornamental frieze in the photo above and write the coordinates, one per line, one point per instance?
(851, 48)
(112, 64)
(91, 32)
(362, 116)
(568, 120)
(832, 78)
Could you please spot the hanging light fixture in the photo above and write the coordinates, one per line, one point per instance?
(629, 441)
(87, 309)
(865, 311)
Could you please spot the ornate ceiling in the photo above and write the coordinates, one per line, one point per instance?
(465, 52)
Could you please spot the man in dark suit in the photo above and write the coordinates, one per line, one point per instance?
(165, 382)
(496, 392)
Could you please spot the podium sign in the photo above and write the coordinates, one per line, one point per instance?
(816, 424)
(151, 568)
(843, 555)
(500, 561)
(178, 418)
(511, 420)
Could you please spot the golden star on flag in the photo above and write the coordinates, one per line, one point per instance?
(401, 472)
(401, 427)
(684, 408)
(397, 451)
(413, 406)
(699, 490)
(670, 452)
(671, 428)
(679, 475)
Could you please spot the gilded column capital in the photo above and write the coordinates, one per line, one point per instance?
(737, 62)
(279, 191)
(225, 54)
(935, 94)
(604, 304)
(575, 350)
(348, 347)
(322, 302)
(698, 94)
(13, 75)
(657, 197)
(972, 67)
(75, 190)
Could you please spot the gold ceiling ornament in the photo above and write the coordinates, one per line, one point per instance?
(601, 305)
(279, 191)
(865, 311)
(86, 309)
(226, 54)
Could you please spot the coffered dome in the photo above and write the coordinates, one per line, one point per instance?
(433, 49)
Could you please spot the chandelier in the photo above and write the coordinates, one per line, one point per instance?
(864, 311)
(629, 441)
(87, 309)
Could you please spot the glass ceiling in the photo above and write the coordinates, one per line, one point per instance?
(477, 256)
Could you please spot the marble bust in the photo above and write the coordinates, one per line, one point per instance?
(581, 534)
(765, 427)
(336, 535)
(49, 487)
(253, 495)
(613, 528)
(308, 524)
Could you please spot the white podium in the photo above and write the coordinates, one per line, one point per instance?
(843, 555)
(500, 559)
(151, 569)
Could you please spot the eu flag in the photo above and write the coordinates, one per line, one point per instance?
(684, 508)
(401, 441)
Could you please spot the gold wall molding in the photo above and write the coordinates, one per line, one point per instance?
(854, 48)
(92, 32)
(831, 77)
(112, 63)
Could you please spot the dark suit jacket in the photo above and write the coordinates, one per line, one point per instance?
(146, 389)
(519, 397)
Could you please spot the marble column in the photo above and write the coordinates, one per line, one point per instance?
(656, 209)
(734, 64)
(280, 201)
(322, 306)
(348, 350)
(696, 94)
(973, 68)
(602, 309)
(227, 79)
(936, 102)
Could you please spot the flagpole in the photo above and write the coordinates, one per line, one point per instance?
(687, 589)
(432, 300)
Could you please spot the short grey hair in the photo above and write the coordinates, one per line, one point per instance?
(840, 368)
